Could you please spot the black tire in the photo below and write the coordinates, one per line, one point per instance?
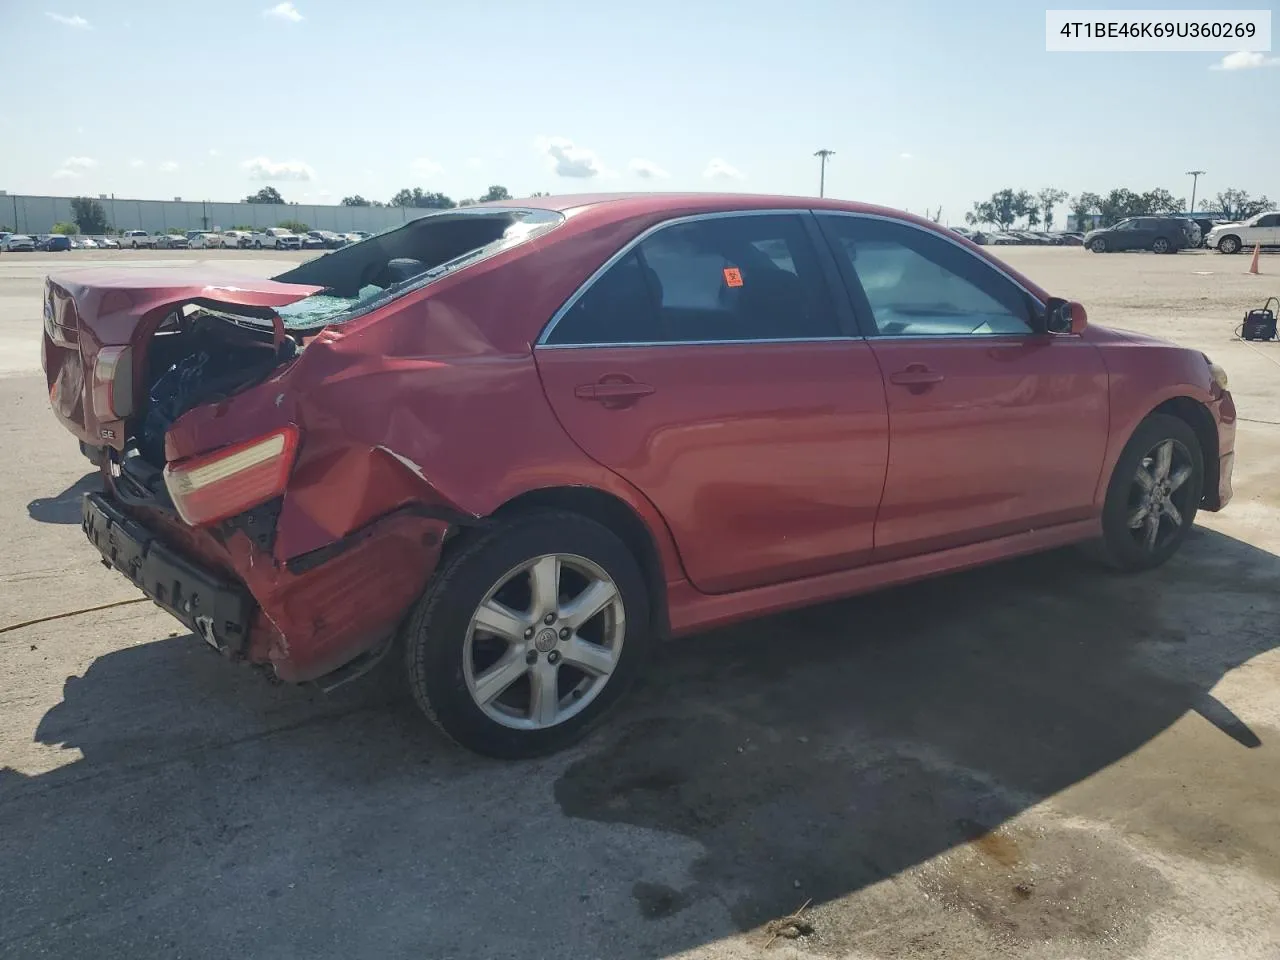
(1162, 245)
(1229, 244)
(1124, 547)
(435, 635)
(1098, 245)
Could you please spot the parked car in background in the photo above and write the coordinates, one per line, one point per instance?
(204, 241)
(355, 236)
(276, 238)
(54, 243)
(171, 241)
(1157, 234)
(1261, 230)
(136, 239)
(88, 243)
(310, 241)
(18, 243)
(328, 238)
(258, 490)
(109, 243)
(236, 239)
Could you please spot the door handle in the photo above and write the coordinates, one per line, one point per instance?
(916, 375)
(613, 392)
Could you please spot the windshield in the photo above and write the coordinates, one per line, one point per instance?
(365, 275)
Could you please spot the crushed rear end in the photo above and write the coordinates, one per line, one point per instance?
(244, 490)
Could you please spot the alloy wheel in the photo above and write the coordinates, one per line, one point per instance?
(544, 642)
(1158, 495)
(1161, 245)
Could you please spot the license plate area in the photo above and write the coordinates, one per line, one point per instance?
(216, 609)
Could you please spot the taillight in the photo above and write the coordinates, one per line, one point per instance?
(229, 481)
(113, 384)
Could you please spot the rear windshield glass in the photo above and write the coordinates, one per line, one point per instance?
(365, 275)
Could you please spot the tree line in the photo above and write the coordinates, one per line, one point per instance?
(406, 197)
(1008, 206)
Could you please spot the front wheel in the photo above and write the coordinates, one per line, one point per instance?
(528, 634)
(1159, 245)
(1229, 245)
(1153, 495)
(1098, 245)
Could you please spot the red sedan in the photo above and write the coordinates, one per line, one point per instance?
(516, 443)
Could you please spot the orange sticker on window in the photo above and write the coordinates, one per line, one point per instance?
(732, 277)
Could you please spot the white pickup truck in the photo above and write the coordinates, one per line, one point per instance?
(133, 239)
(276, 238)
(1263, 230)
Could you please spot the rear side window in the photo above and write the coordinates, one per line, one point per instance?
(722, 279)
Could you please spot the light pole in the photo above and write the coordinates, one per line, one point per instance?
(1195, 176)
(822, 169)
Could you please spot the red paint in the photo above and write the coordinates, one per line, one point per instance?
(767, 475)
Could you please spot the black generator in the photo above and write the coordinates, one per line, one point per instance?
(1260, 324)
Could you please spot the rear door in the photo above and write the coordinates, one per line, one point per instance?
(994, 427)
(1268, 230)
(709, 365)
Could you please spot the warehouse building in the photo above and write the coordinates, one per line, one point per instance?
(26, 213)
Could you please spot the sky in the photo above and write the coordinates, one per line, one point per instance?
(926, 103)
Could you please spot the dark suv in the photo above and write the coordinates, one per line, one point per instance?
(1157, 234)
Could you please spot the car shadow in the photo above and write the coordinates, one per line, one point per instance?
(65, 507)
(802, 757)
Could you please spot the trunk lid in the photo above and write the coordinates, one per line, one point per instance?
(99, 324)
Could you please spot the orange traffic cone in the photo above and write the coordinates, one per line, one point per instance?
(1253, 267)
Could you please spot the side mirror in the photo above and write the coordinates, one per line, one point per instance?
(1065, 317)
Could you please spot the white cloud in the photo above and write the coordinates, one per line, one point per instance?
(567, 160)
(1246, 60)
(168, 166)
(263, 168)
(647, 169)
(283, 11)
(426, 167)
(474, 162)
(77, 21)
(214, 152)
(74, 167)
(137, 164)
(324, 193)
(904, 156)
(718, 169)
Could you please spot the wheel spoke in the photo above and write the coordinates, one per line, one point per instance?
(1172, 512)
(1144, 478)
(588, 603)
(491, 683)
(1137, 516)
(1164, 460)
(1152, 529)
(501, 621)
(1180, 476)
(544, 694)
(589, 657)
(544, 586)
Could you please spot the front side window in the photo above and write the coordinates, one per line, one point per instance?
(919, 284)
(719, 279)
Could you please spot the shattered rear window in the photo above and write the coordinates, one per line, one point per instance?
(366, 275)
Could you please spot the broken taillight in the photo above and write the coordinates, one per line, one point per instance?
(113, 384)
(222, 484)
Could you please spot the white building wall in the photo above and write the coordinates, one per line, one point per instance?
(36, 214)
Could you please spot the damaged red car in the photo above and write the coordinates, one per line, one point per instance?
(514, 444)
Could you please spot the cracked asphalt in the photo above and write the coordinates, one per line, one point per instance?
(1032, 760)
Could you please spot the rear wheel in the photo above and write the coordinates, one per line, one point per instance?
(1153, 495)
(1229, 245)
(1160, 245)
(528, 634)
(1098, 245)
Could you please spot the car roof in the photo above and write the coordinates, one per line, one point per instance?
(623, 206)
